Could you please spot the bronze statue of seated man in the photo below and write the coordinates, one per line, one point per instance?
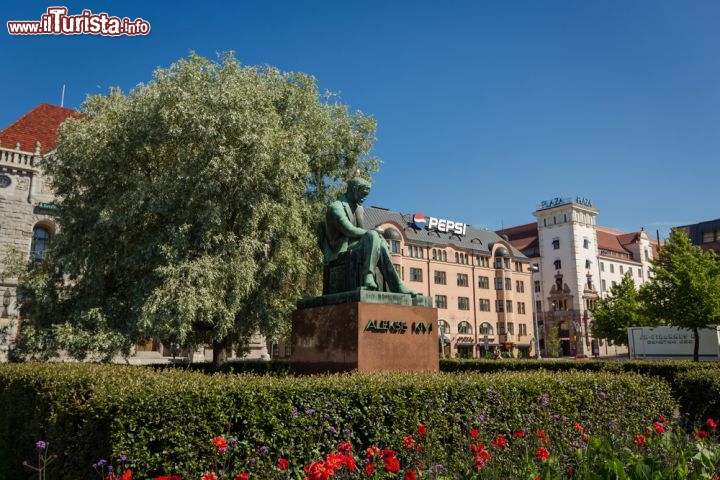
(343, 231)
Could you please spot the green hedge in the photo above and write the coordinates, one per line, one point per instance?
(699, 394)
(165, 419)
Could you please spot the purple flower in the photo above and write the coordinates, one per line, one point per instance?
(602, 395)
(332, 429)
(264, 450)
(310, 411)
(326, 416)
(41, 444)
(544, 400)
(294, 412)
(123, 458)
(102, 462)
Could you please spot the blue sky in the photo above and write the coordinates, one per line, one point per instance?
(484, 108)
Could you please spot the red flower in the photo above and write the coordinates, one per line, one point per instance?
(640, 440)
(648, 431)
(370, 452)
(168, 477)
(518, 434)
(345, 448)
(571, 472)
(127, 475)
(408, 442)
(585, 438)
(663, 419)
(711, 424)
(474, 433)
(421, 429)
(386, 453)
(701, 434)
(392, 464)
(499, 441)
(542, 454)
(579, 427)
(410, 475)
(242, 476)
(220, 443)
(283, 464)
(540, 433)
(209, 476)
(658, 427)
(369, 469)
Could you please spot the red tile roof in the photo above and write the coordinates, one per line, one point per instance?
(39, 124)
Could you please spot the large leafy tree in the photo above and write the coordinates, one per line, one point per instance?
(187, 207)
(614, 314)
(685, 289)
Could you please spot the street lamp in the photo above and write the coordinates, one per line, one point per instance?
(533, 269)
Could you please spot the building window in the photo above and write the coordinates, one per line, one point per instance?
(462, 258)
(602, 266)
(708, 237)
(522, 329)
(602, 285)
(647, 255)
(483, 282)
(558, 264)
(484, 305)
(586, 243)
(556, 243)
(462, 280)
(622, 270)
(510, 328)
(395, 246)
(501, 328)
(440, 278)
(558, 282)
(463, 303)
(498, 283)
(537, 286)
(508, 284)
(440, 301)
(612, 268)
(416, 252)
(508, 306)
(521, 308)
(520, 286)
(538, 305)
(38, 247)
(588, 263)
(639, 272)
(416, 274)
(486, 329)
(499, 306)
(443, 327)
(464, 328)
(483, 261)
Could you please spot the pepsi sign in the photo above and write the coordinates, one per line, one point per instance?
(439, 224)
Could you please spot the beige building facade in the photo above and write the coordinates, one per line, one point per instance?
(478, 281)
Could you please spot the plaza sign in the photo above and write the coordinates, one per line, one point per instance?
(564, 201)
(439, 224)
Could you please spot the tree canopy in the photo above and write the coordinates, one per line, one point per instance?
(615, 313)
(685, 289)
(187, 207)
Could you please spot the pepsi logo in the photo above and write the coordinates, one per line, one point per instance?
(419, 221)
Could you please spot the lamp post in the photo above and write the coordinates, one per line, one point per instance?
(533, 269)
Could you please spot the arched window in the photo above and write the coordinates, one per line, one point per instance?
(443, 327)
(486, 329)
(465, 328)
(38, 246)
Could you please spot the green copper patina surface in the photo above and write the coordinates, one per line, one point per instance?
(343, 231)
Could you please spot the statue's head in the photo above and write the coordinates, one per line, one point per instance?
(357, 189)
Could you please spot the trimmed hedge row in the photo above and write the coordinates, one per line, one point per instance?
(165, 419)
(699, 394)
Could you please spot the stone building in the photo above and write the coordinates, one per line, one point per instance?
(576, 263)
(26, 201)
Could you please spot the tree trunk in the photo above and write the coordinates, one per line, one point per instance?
(220, 349)
(696, 348)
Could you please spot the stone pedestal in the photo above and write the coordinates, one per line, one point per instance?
(358, 332)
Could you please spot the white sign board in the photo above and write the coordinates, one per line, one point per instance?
(672, 343)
